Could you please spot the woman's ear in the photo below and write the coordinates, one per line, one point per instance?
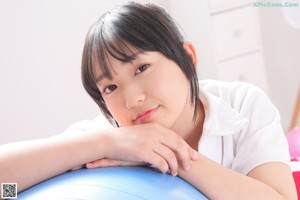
(191, 51)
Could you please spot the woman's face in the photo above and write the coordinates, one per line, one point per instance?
(151, 88)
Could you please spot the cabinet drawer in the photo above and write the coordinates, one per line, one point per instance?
(236, 32)
(248, 68)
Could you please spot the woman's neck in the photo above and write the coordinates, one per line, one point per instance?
(190, 129)
(195, 133)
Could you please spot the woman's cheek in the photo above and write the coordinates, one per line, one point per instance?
(112, 106)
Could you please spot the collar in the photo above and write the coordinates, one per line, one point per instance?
(220, 118)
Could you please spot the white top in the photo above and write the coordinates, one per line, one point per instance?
(241, 129)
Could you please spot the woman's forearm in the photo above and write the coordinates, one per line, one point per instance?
(30, 162)
(218, 182)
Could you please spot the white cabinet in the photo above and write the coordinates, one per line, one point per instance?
(227, 33)
(235, 33)
(246, 68)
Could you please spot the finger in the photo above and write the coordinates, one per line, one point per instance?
(194, 154)
(181, 149)
(111, 162)
(157, 162)
(76, 168)
(101, 163)
(170, 157)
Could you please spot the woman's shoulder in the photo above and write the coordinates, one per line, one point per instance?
(215, 86)
(240, 96)
(232, 91)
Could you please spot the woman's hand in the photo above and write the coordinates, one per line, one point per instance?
(149, 144)
(106, 162)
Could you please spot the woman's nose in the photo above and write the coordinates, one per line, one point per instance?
(134, 95)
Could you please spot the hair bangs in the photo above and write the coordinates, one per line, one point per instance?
(110, 46)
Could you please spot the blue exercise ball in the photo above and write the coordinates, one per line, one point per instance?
(113, 183)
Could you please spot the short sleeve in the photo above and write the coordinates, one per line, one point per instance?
(263, 140)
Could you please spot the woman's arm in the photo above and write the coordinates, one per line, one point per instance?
(30, 162)
(268, 181)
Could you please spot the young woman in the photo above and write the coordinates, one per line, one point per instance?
(223, 138)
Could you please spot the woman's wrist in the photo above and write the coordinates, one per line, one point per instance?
(98, 144)
(84, 147)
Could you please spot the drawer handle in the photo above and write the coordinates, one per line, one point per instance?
(237, 33)
(241, 77)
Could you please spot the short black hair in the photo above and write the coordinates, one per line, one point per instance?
(143, 27)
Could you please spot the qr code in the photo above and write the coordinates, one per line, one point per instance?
(9, 191)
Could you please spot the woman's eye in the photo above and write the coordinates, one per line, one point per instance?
(109, 89)
(142, 68)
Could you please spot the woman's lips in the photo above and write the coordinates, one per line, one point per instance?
(145, 116)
